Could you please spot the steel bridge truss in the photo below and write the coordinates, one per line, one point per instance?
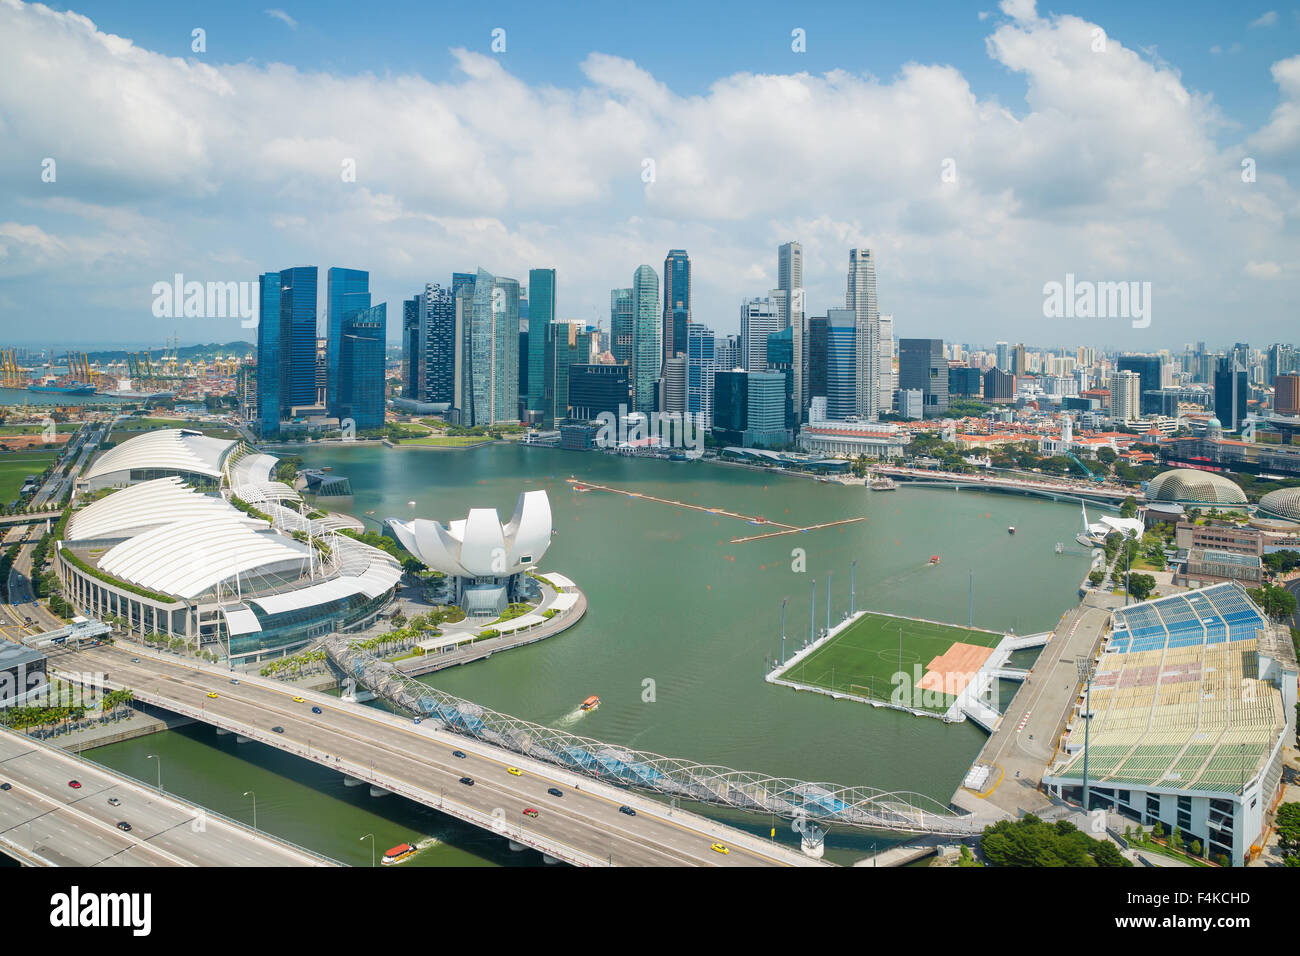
(820, 803)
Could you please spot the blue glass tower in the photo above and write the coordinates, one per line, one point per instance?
(272, 374)
(541, 313)
(361, 367)
(348, 291)
(298, 318)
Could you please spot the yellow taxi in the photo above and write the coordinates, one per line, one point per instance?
(300, 700)
(720, 848)
(514, 771)
(212, 695)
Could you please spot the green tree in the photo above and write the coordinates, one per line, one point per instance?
(1129, 508)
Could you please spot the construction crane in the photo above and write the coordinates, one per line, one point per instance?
(1100, 479)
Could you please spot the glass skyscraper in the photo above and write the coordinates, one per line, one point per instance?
(541, 313)
(677, 302)
(360, 375)
(700, 367)
(620, 325)
(272, 374)
(841, 364)
(298, 311)
(494, 350)
(347, 291)
(647, 344)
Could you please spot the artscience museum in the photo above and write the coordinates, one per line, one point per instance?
(486, 562)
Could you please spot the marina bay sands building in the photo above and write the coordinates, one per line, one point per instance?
(486, 561)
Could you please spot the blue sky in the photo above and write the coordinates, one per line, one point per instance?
(219, 165)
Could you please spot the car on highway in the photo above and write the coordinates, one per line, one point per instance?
(277, 729)
(135, 660)
(555, 791)
(530, 812)
(317, 710)
(458, 753)
(114, 802)
(212, 695)
(234, 680)
(467, 781)
(514, 771)
(300, 700)
(416, 719)
(628, 810)
(6, 786)
(74, 784)
(124, 826)
(720, 848)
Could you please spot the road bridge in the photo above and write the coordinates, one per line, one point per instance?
(44, 821)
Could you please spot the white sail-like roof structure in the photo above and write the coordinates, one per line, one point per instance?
(149, 504)
(480, 546)
(181, 450)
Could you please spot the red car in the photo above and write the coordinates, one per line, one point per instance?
(74, 784)
(530, 812)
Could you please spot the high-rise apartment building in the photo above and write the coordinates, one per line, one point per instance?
(1125, 396)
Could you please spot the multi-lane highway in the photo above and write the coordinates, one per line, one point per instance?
(45, 821)
(583, 825)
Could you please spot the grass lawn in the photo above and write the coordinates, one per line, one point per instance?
(447, 441)
(863, 659)
(35, 428)
(16, 466)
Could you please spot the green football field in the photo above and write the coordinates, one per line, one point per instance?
(17, 465)
(864, 658)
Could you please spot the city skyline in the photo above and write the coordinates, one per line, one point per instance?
(969, 213)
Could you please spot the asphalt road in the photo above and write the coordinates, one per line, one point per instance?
(41, 813)
(586, 818)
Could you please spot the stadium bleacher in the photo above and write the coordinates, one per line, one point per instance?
(1212, 615)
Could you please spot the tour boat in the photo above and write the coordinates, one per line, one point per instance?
(934, 559)
(1011, 530)
(399, 854)
(591, 703)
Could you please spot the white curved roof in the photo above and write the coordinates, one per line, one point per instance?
(253, 469)
(179, 449)
(191, 556)
(261, 492)
(148, 504)
(480, 546)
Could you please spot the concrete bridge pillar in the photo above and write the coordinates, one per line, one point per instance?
(516, 847)
(221, 732)
(351, 781)
(550, 860)
(813, 842)
(378, 791)
(240, 739)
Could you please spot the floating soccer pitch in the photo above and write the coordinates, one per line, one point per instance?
(936, 661)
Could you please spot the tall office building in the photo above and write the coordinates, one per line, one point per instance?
(438, 334)
(888, 377)
(816, 357)
(673, 400)
(412, 351)
(347, 291)
(298, 310)
(726, 352)
(842, 365)
(1148, 368)
(1019, 361)
(1003, 353)
(272, 341)
(568, 343)
(541, 313)
(921, 366)
(781, 360)
(701, 364)
(647, 339)
(999, 385)
(621, 326)
(1286, 394)
(494, 350)
(789, 280)
(360, 388)
(730, 405)
(861, 300)
(677, 302)
(1125, 396)
(597, 389)
(1231, 390)
(759, 318)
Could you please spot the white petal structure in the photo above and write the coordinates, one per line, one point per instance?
(480, 546)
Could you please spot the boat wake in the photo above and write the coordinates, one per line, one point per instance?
(568, 720)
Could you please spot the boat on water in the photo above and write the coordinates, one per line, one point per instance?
(591, 703)
(883, 484)
(62, 388)
(678, 456)
(1011, 529)
(399, 854)
(934, 559)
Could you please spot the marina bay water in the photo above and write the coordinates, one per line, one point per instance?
(683, 623)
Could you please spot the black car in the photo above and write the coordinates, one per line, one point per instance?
(124, 827)
(467, 781)
(458, 753)
(555, 791)
(628, 810)
(6, 786)
(277, 729)
(316, 710)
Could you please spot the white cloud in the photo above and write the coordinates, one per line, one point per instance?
(277, 14)
(1108, 169)
(1263, 270)
(1266, 20)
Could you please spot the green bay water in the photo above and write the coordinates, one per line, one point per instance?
(683, 624)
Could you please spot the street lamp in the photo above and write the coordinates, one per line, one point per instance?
(159, 759)
(783, 603)
(250, 793)
(1086, 670)
(372, 847)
